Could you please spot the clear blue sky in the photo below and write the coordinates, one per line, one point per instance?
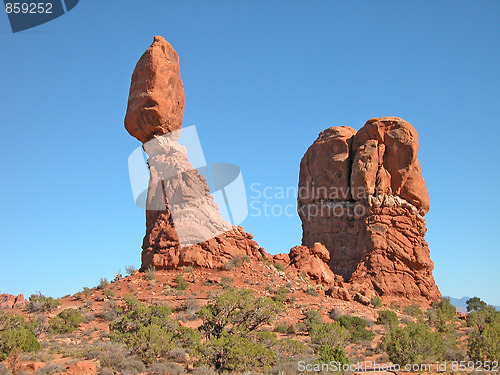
(262, 79)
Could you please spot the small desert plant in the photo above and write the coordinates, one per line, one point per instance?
(331, 334)
(180, 282)
(237, 311)
(387, 318)
(226, 281)
(179, 355)
(376, 302)
(312, 318)
(39, 303)
(311, 290)
(103, 283)
(334, 314)
(150, 273)
(289, 348)
(328, 354)
(109, 311)
(161, 368)
(66, 321)
(190, 270)
(279, 267)
(234, 262)
(4, 370)
(412, 310)
(115, 357)
(393, 306)
(285, 328)
(235, 352)
(356, 327)
(129, 270)
(108, 293)
(281, 295)
(203, 371)
(50, 369)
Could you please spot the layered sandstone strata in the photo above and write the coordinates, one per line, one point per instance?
(362, 195)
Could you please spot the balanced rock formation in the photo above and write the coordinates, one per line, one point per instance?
(362, 195)
(183, 225)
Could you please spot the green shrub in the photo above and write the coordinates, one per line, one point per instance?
(161, 368)
(289, 348)
(16, 333)
(226, 281)
(412, 310)
(234, 262)
(180, 282)
(441, 314)
(387, 318)
(118, 276)
(150, 332)
(484, 340)
(376, 302)
(415, 343)
(66, 321)
(39, 303)
(237, 311)
(203, 370)
(4, 370)
(281, 294)
(115, 356)
(109, 311)
(329, 354)
(179, 355)
(279, 267)
(356, 327)
(103, 283)
(475, 304)
(108, 293)
(312, 318)
(234, 352)
(331, 334)
(150, 273)
(393, 306)
(50, 369)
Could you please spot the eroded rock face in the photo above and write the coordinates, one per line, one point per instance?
(9, 301)
(183, 225)
(363, 196)
(313, 261)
